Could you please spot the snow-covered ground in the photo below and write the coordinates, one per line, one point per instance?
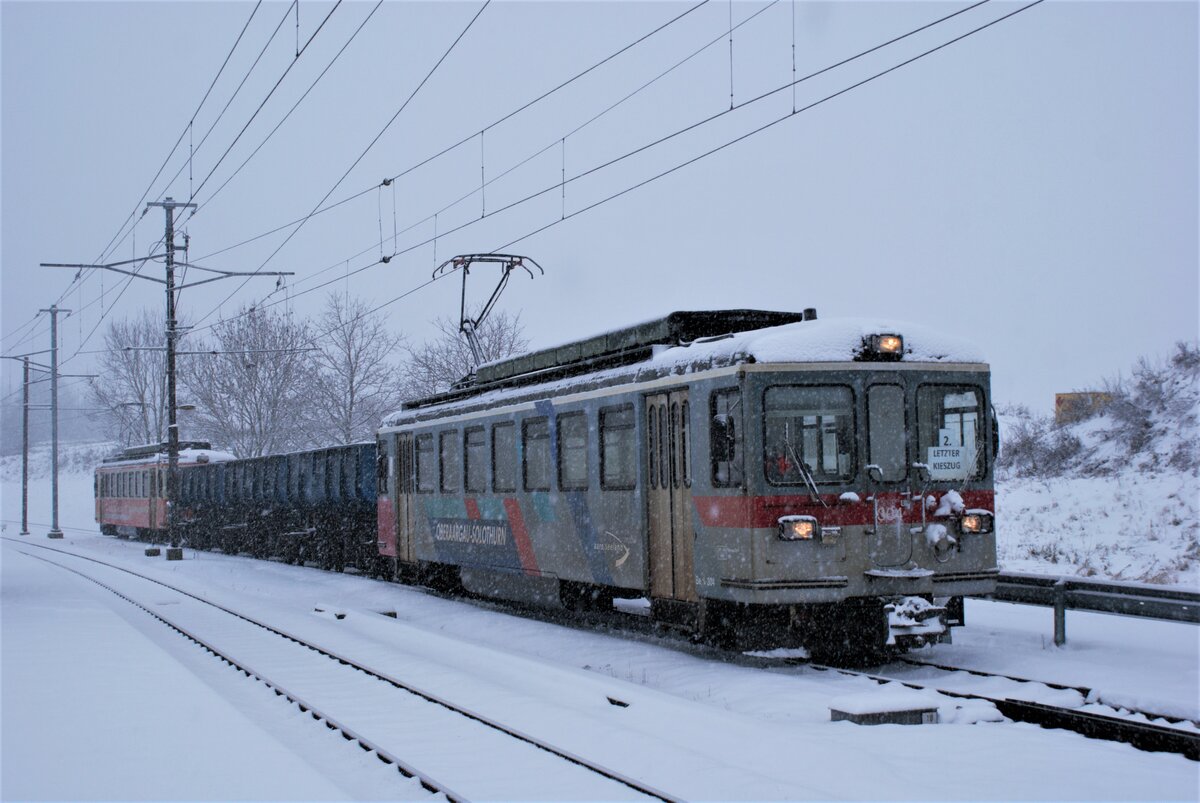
(91, 683)
(168, 725)
(1137, 526)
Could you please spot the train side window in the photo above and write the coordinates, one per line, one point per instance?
(726, 438)
(618, 449)
(685, 445)
(451, 461)
(475, 456)
(381, 468)
(426, 462)
(504, 457)
(673, 451)
(535, 436)
(350, 472)
(886, 434)
(652, 445)
(572, 451)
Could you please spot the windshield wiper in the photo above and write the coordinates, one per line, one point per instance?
(805, 473)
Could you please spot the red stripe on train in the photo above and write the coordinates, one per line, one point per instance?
(521, 535)
(746, 512)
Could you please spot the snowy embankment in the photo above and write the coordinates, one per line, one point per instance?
(1115, 494)
(1131, 526)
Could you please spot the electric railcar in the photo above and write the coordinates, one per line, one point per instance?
(760, 477)
(131, 488)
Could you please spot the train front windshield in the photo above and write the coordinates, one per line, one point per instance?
(810, 433)
(808, 428)
(950, 429)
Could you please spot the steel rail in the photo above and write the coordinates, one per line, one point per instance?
(566, 755)
(1142, 735)
(405, 769)
(1084, 691)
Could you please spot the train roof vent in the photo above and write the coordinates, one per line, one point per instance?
(633, 343)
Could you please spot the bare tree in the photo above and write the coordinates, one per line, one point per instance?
(439, 363)
(253, 396)
(131, 385)
(357, 381)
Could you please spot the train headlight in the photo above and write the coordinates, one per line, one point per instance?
(798, 528)
(882, 347)
(975, 522)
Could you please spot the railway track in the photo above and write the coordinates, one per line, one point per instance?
(426, 737)
(1141, 734)
(1090, 695)
(1181, 736)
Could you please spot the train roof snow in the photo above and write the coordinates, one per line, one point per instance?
(189, 452)
(686, 342)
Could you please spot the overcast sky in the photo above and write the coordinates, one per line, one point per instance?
(1032, 187)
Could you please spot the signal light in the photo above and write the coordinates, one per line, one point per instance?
(882, 348)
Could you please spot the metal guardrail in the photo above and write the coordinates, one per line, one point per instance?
(1103, 596)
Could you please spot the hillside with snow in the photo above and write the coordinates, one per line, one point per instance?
(1115, 494)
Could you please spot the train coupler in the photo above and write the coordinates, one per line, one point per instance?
(914, 621)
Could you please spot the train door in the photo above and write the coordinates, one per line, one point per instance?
(890, 541)
(669, 491)
(405, 553)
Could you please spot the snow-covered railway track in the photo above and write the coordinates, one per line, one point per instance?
(1182, 737)
(1094, 699)
(449, 749)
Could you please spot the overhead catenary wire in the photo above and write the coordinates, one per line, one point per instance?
(186, 130)
(690, 127)
(360, 157)
(773, 123)
(210, 130)
(193, 212)
(474, 133)
(433, 217)
(269, 94)
(117, 238)
(238, 89)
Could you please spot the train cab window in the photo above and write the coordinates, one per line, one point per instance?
(426, 462)
(725, 438)
(572, 451)
(475, 457)
(887, 437)
(618, 448)
(535, 437)
(504, 458)
(950, 431)
(451, 462)
(808, 434)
